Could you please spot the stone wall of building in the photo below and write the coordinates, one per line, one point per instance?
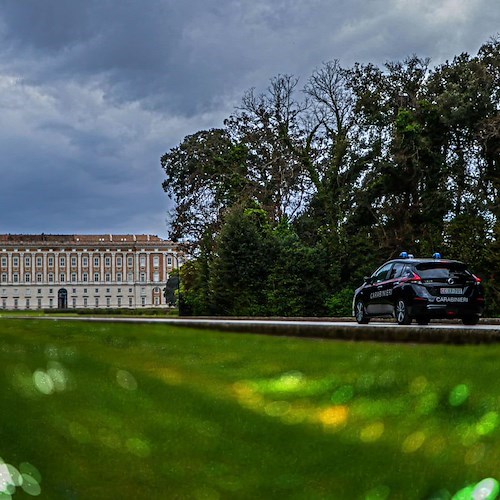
(85, 271)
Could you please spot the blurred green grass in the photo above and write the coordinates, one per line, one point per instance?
(153, 411)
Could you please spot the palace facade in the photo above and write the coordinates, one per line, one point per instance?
(42, 271)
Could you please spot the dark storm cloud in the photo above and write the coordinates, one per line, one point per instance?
(93, 92)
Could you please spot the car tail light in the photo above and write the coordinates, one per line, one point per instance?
(478, 280)
(415, 278)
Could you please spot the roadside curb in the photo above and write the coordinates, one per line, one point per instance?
(379, 332)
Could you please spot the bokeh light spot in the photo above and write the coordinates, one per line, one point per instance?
(43, 382)
(475, 454)
(380, 492)
(334, 416)
(277, 408)
(427, 403)
(413, 442)
(418, 385)
(138, 447)
(342, 395)
(30, 470)
(31, 486)
(126, 380)
(487, 489)
(459, 395)
(372, 432)
(487, 424)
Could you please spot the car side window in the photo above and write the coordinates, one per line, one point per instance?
(382, 273)
(397, 270)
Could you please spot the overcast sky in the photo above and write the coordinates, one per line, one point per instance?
(93, 92)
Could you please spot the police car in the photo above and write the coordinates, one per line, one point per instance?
(420, 289)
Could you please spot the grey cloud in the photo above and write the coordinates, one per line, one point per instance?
(93, 92)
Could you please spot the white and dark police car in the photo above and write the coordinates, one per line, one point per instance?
(420, 289)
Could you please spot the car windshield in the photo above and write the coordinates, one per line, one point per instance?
(433, 270)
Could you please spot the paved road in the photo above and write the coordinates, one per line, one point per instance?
(455, 333)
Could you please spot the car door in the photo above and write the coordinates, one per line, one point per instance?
(378, 290)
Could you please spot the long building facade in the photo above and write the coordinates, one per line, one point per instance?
(85, 271)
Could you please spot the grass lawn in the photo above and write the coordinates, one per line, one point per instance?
(116, 411)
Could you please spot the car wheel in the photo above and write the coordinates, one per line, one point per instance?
(360, 313)
(401, 313)
(470, 320)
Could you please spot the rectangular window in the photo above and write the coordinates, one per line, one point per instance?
(62, 261)
(85, 277)
(143, 301)
(4, 303)
(15, 278)
(142, 261)
(74, 302)
(130, 261)
(27, 277)
(39, 277)
(169, 261)
(73, 277)
(15, 261)
(130, 301)
(96, 276)
(156, 261)
(51, 277)
(119, 301)
(39, 262)
(130, 277)
(85, 302)
(143, 277)
(4, 261)
(27, 303)
(157, 301)
(16, 303)
(107, 277)
(27, 261)
(156, 277)
(108, 301)
(50, 261)
(118, 262)
(39, 303)
(51, 302)
(96, 261)
(85, 261)
(107, 261)
(4, 277)
(73, 261)
(62, 277)
(118, 277)
(39, 291)
(97, 301)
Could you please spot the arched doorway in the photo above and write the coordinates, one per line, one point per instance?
(62, 299)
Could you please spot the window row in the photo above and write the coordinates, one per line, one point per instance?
(52, 302)
(73, 277)
(85, 261)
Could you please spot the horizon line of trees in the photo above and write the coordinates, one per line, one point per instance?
(304, 191)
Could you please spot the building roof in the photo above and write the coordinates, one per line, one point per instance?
(80, 238)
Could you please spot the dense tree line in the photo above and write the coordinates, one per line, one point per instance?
(304, 191)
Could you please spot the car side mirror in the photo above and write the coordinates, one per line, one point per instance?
(368, 280)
